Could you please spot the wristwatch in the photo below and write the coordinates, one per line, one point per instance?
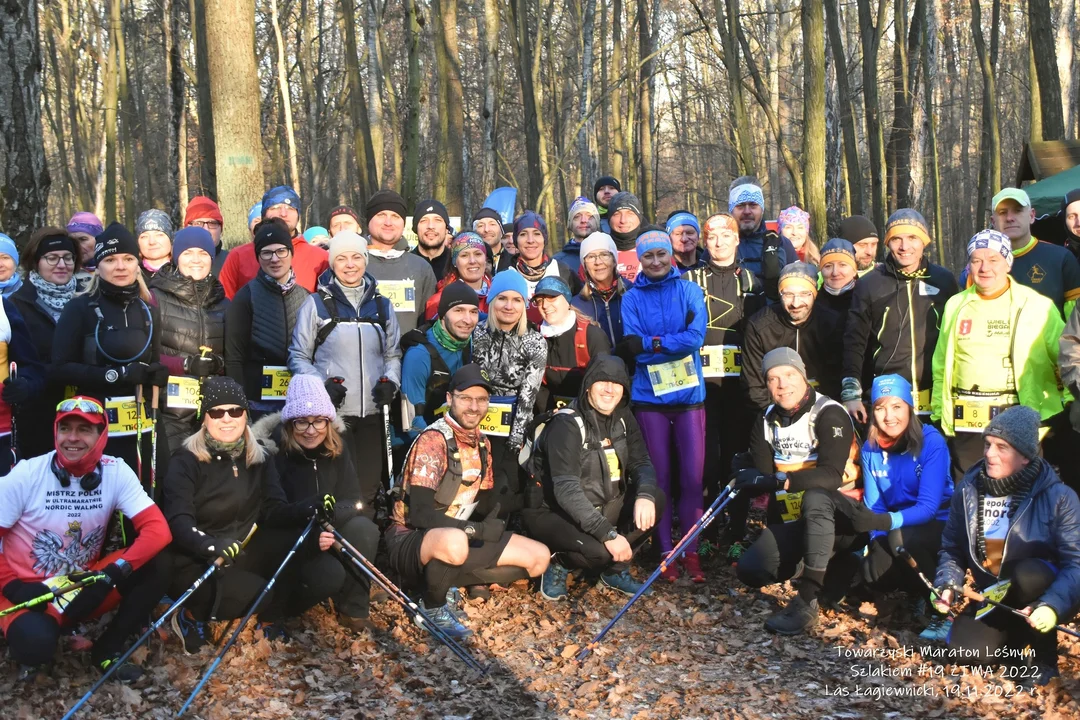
(470, 530)
(656, 346)
(111, 375)
(781, 478)
(611, 535)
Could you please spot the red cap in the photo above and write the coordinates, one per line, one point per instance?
(201, 206)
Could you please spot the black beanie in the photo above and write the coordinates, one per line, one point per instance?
(487, 213)
(57, 242)
(1070, 197)
(115, 240)
(457, 293)
(606, 180)
(856, 228)
(385, 200)
(220, 390)
(270, 232)
(428, 207)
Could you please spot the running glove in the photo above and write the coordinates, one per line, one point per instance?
(225, 548)
(1043, 618)
(937, 598)
(17, 391)
(157, 374)
(90, 597)
(492, 528)
(20, 591)
(629, 348)
(203, 365)
(865, 520)
(752, 482)
(135, 373)
(322, 507)
(337, 391)
(384, 392)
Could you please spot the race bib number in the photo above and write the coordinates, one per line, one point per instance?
(275, 382)
(614, 469)
(790, 505)
(922, 402)
(182, 393)
(400, 293)
(673, 376)
(721, 361)
(973, 412)
(995, 592)
(60, 602)
(499, 416)
(126, 417)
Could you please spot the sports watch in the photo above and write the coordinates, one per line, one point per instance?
(470, 530)
(111, 375)
(612, 534)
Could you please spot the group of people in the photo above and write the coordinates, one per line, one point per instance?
(481, 409)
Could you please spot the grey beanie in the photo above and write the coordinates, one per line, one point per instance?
(153, 219)
(778, 357)
(1018, 426)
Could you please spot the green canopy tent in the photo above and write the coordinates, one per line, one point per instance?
(1047, 193)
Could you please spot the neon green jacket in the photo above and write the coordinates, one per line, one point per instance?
(1035, 354)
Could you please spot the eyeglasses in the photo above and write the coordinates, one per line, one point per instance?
(281, 252)
(543, 300)
(206, 224)
(52, 259)
(603, 258)
(85, 405)
(218, 413)
(792, 297)
(318, 423)
(473, 401)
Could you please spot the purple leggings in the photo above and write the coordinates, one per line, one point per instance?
(681, 431)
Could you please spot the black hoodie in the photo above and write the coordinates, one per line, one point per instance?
(577, 479)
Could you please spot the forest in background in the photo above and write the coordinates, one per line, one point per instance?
(841, 107)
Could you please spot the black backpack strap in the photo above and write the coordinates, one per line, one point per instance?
(331, 309)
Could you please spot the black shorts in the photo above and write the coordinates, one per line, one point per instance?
(403, 556)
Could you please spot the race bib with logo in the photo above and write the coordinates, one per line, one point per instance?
(126, 417)
(721, 361)
(400, 293)
(614, 469)
(673, 376)
(995, 592)
(182, 393)
(972, 412)
(790, 505)
(499, 416)
(275, 381)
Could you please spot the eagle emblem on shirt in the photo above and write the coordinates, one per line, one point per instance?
(55, 555)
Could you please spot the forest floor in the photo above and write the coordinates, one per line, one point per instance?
(684, 651)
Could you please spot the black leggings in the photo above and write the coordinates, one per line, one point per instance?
(577, 549)
(728, 418)
(507, 478)
(327, 574)
(32, 637)
(882, 571)
(825, 528)
(367, 444)
(983, 639)
(232, 589)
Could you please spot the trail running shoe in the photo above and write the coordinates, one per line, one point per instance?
(692, 564)
(479, 592)
(446, 620)
(193, 634)
(126, 673)
(797, 617)
(553, 582)
(621, 581)
(937, 631)
(274, 631)
(671, 572)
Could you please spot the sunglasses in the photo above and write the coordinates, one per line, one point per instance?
(80, 405)
(218, 413)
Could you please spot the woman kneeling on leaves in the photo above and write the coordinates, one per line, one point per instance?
(315, 464)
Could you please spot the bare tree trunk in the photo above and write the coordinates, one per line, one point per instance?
(207, 150)
(929, 62)
(375, 78)
(1066, 31)
(307, 31)
(449, 179)
(813, 28)
(847, 109)
(234, 92)
(618, 161)
(24, 175)
(1035, 125)
(991, 132)
(365, 154)
(286, 99)
(727, 27)
(56, 114)
(411, 169)
(392, 110)
(587, 162)
(124, 112)
(110, 127)
(174, 104)
(646, 190)
(489, 58)
(871, 42)
(533, 137)
(1042, 38)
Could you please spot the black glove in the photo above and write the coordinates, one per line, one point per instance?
(20, 591)
(336, 390)
(203, 365)
(90, 597)
(895, 540)
(16, 391)
(751, 482)
(157, 374)
(629, 348)
(384, 392)
(322, 507)
(225, 548)
(864, 520)
(135, 373)
(492, 528)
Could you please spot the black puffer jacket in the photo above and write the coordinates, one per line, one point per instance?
(818, 342)
(576, 478)
(563, 375)
(890, 316)
(192, 313)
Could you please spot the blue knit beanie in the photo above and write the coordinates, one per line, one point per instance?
(281, 195)
(508, 281)
(192, 237)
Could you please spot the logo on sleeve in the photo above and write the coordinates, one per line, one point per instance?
(965, 327)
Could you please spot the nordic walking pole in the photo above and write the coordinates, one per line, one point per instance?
(904, 555)
(979, 597)
(214, 567)
(345, 548)
(138, 431)
(251, 611)
(13, 373)
(155, 395)
(389, 445)
(725, 496)
(50, 596)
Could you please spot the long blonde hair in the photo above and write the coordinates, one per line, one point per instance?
(332, 443)
(94, 286)
(522, 323)
(254, 453)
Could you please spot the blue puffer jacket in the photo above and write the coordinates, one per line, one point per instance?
(913, 491)
(673, 311)
(607, 314)
(1046, 527)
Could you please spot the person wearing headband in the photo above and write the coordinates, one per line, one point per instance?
(762, 251)
(53, 536)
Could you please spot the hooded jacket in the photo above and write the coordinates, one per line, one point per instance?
(674, 312)
(895, 320)
(576, 470)
(1046, 526)
(818, 342)
(363, 347)
(751, 251)
(570, 255)
(608, 314)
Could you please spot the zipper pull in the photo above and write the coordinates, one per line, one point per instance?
(235, 472)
